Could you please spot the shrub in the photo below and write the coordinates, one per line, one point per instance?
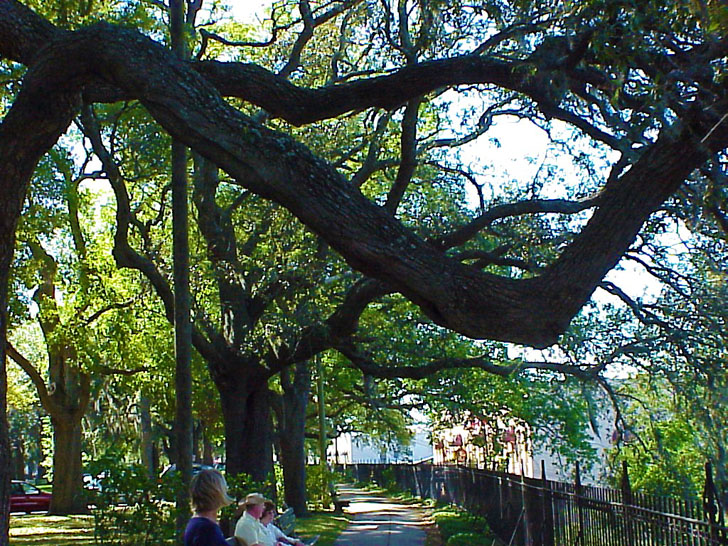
(319, 482)
(462, 527)
(388, 479)
(130, 507)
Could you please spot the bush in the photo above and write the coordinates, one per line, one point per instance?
(388, 479)
(462, 527)
(319, 484)
(130, 507)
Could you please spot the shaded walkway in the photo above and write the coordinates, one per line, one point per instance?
(379, 521)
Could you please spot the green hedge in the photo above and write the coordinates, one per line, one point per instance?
(460, 528)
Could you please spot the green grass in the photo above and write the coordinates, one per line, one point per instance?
(34, 530)
(37, 530)
(326, 524)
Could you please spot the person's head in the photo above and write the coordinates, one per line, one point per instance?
(208, 491)
(269, 512)
(254, 504)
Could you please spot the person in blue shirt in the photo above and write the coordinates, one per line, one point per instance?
(208, 493)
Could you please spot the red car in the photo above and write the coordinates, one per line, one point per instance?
(25, 497)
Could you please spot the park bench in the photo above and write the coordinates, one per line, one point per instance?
(286, 522)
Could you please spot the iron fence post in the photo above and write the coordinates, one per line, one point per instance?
(627, 503)
(580, 512)
(547, 524)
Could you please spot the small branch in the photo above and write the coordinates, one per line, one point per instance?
(193, 7)
(642, 315)
(111, 306)
(159, 3)
(534, 206)
(106, 370)
(370, 368)
(207, 35)
(369, 165)
(485, 259)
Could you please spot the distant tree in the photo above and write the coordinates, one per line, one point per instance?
(675, 401)
(75, 289)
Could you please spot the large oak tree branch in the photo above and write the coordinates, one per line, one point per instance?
(23, 34)
(532, 311)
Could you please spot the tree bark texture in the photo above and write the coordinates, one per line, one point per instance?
(246, 415)
(182, 327)
(26, 133)
(68, 493)
(5, 454)
(291, 431)
(68, 405)
(182, 299)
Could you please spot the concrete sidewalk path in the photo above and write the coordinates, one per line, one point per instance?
(379, 521)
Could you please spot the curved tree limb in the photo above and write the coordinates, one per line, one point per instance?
(532, 311)
(34, 375)
(421, 371)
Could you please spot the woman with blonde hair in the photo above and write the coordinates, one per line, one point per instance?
(208, 493)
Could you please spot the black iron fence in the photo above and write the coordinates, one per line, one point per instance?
(539, 512)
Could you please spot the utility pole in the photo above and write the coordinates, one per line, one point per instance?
(181, 272)
(322, 420)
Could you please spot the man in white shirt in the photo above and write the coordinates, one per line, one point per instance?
(249, 530)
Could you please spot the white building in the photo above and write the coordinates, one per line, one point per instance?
(602, 439)
(358, 448)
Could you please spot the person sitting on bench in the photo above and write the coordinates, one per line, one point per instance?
(276, 537)
(249, 529)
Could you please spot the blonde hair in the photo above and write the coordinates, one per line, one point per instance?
(208, 491)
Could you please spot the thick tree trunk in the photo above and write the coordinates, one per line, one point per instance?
(4, 429)
(246, 412)
(292, 435)
(293, 462)
(68, 494)
(41, 126)
(182, 330)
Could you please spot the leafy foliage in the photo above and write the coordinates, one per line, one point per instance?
(130, 507)
(458, 527)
